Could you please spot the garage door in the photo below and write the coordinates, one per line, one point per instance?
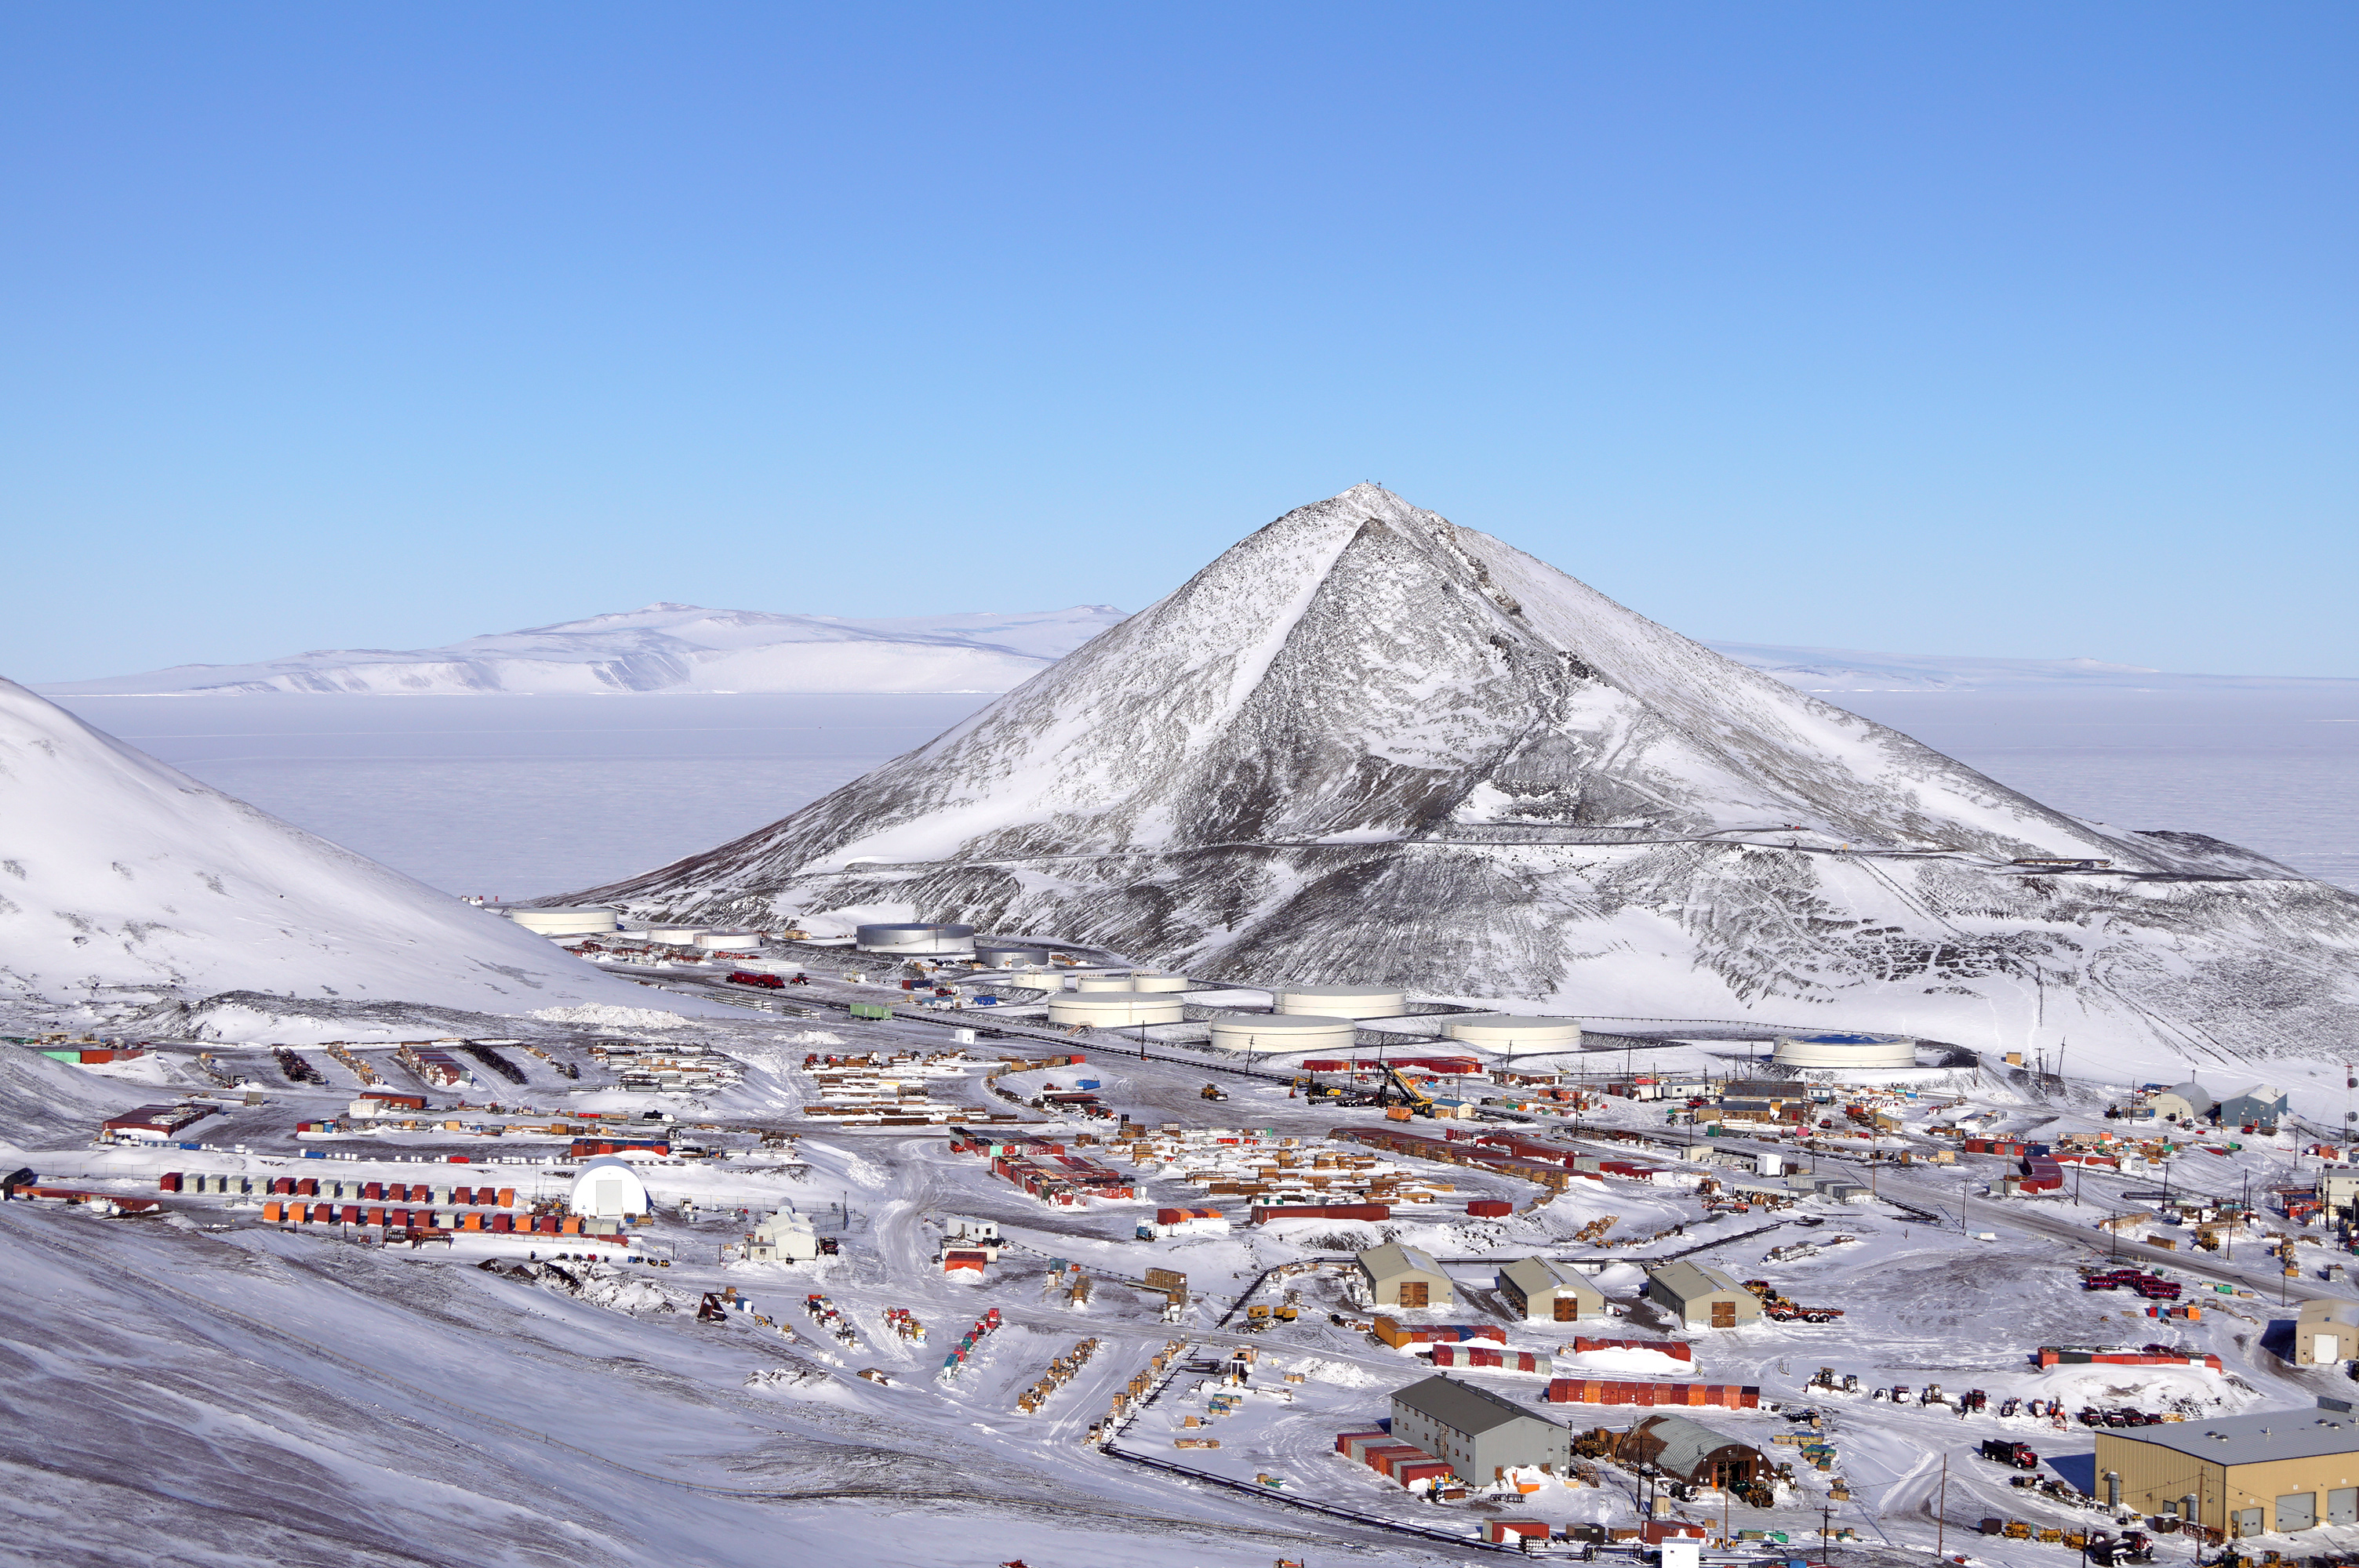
(2297, 1510)
(1724, 1314)
(2326, 1348)
(2247, 1521)
(1412, 1292)
(1567, 1308)
(2342, 1506)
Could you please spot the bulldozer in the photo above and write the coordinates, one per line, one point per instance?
(1214, 1091)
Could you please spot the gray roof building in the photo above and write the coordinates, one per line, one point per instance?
(1703, 1296)
(1480, 1434)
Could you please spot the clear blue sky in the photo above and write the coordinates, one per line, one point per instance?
(2004, 330)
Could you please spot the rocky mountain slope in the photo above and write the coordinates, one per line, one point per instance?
(123, 880)
(1368, 744)
(667, 647)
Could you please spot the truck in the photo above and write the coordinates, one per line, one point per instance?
(748, 978)
(2152, 1287)
(2014, 1455)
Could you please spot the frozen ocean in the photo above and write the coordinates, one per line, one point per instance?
(519, 796)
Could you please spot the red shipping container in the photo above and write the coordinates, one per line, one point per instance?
(1490, 1208)
(1500, 1530)
(1655, 1531)
(372, 1192)
(282, 1187)
(504, 1222)
(309, 1187)
(1423, 1470)
(397, 1219)
(1383, 1456)
(1343, 1439)
(375, 1216)
(169, 1182)
(351, 1213)
(1479, 1357)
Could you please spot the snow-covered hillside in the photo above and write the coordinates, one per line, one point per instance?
(1368, 744)
(124, 880)
(672, 647)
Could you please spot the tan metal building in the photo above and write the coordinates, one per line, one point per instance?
(2326, 1333)
(1701, 1296)
(2277, 1472)
(1402, 1276)
(1541, 1290)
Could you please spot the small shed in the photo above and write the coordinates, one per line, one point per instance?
(2326, 1333)
(1692, 1452)
(1541, 1290)
(1400, 1276)
(608, 1188)
(1701, 1296)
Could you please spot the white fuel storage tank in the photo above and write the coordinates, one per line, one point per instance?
(1130, 982)
(1114, 1009)
(1263, 1032)
(1507, 1031)
(1842, 1048)
(1340, 1002)
(914, 939)
(566, 921)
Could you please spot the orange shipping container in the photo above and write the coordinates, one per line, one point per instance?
(270, 1212)
(473, 1222)
(507, 1197)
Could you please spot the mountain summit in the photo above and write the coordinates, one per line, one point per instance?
(1366, 744)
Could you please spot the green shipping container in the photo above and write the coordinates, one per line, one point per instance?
(870, 1010)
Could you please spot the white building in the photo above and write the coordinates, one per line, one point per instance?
(785, 1238)
(608, 1188)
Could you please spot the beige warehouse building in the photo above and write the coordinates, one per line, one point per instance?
(1703, 1297)
(2326, 1333)
(2277, 1472)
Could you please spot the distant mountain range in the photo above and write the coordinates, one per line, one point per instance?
(687, 648)
(667, 648)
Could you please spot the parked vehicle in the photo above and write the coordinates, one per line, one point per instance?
(2016, 1455)
(748, 978)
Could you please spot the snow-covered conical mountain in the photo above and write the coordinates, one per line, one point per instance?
(123, 880)
(1365, 743)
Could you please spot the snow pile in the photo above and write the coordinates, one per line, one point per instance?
(670, 647)
(1623, 1358)
(607, 1015)
(121, 880)
(1426, 758)
(1342, 1374)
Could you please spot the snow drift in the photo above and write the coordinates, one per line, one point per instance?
(1366, 744)
(123, 880)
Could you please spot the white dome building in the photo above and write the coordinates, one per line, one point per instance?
(608, 1188)
(1340, 1002)
(1262, 1032)
(1837, 1048)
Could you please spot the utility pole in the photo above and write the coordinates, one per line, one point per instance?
(1941, 1509)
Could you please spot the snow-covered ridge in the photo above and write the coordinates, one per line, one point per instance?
(123, 880)
(667, 648)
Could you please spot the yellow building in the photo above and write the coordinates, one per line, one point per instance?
(2249, 1475)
